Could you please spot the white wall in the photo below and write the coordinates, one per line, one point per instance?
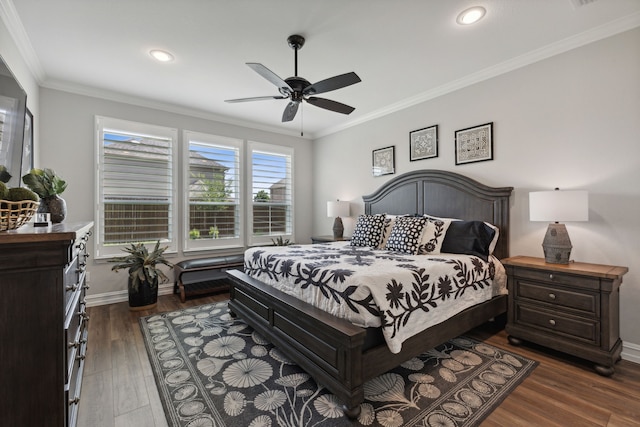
(571, 121)
(68, 147)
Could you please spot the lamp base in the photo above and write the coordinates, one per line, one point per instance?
(338, 228)
(557, 245)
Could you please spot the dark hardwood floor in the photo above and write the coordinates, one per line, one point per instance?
(119, 389)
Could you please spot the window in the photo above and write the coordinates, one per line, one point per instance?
(212, 195)
(136, 185)
(271, 205)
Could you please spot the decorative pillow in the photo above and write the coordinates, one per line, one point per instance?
(494, 241)
(406, 234)
(468, 237)
(368, 230)
(433, 236)
(389, 220)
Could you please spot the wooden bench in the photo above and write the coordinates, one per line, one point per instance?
(204, 275)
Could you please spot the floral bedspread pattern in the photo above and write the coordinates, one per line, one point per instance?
(403, 293)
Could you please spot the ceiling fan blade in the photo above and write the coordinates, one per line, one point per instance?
(332, 83)
(271, 76)
(255, 98)
(290, 111)
(328, 104)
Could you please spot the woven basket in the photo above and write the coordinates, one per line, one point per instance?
(15, 214)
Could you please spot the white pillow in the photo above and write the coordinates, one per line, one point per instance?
(433, 235)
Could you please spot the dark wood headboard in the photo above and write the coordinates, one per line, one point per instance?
(444, 194)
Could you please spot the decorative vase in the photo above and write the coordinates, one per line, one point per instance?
(145, 298)
(54, 205)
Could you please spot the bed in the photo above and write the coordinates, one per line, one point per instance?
(342, 356)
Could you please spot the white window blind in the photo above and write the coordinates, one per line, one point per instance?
(136, 185)
(271, 205)
(213, 195)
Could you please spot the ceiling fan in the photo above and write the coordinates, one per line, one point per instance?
(296, 89)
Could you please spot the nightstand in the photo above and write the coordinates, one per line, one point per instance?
(324, 239)
(572, 308)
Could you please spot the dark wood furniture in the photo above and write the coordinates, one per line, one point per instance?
(43, 323)
(328, 238)
(573, 308)
(342, 356)
(204, 275)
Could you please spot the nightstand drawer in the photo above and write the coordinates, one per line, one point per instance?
(586, 330)
(584, 302)
(550, 277)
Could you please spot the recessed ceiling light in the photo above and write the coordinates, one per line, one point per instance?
(471, 15)
(161, 55)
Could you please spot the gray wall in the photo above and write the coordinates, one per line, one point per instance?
(571, 121)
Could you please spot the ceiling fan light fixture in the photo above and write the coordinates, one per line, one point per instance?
(161, 55)
(471, 15)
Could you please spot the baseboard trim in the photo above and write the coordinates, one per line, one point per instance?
(121, 296)
(631, 352)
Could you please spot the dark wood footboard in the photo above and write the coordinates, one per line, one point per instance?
(331, 349)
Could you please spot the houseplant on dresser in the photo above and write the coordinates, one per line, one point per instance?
(48, 186)
(144, 274)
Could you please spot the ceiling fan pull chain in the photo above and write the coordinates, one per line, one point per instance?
(301, 119)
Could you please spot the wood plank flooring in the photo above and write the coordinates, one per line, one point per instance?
(119, 389)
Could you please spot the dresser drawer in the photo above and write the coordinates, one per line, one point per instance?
(75, 331)
(585, 303)
(71, 285)
(582, 329)
(552, 277)
(74, 385)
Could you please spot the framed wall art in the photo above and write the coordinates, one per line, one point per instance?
(27, 145)
(474, 144)
(423, 143)
(384, 161)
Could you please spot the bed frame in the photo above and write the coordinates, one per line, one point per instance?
(342, 356)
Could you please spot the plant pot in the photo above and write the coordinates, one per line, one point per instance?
(145, 298)
(54, 205)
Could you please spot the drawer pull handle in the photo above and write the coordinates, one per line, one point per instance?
(550, 276)
(74, 344)
(552, 322)
(81, 246)
(552, 296)
(71, 288)
(81, 357)
(74, 401)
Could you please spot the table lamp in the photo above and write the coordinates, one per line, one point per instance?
(558, 206)
(337, 209)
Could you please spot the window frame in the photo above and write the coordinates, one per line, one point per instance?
(254, 146)
(190, 245)
(127, 127)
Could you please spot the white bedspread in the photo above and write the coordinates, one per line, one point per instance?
(404, 294)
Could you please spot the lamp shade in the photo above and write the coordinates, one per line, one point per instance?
(559, 206)
(337, 209)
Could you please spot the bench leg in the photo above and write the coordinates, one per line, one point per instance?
(183, 295)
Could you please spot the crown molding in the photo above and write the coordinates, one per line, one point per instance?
(607, 30)
(21, 39)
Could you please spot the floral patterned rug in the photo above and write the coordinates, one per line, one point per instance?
(214, 371)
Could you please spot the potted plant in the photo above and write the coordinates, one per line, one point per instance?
(48, 186)
(144, 274)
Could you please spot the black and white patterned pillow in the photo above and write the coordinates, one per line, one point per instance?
(406, 234)
(368, 230)
(433, 235)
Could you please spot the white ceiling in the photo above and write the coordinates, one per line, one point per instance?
(405, 51)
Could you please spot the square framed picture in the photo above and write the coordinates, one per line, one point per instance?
(423, 143)
(474, 144)
(384, 161)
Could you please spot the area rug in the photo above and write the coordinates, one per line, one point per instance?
(214, 371)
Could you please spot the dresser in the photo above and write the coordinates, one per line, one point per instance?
(572, 308)
(43, 323)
